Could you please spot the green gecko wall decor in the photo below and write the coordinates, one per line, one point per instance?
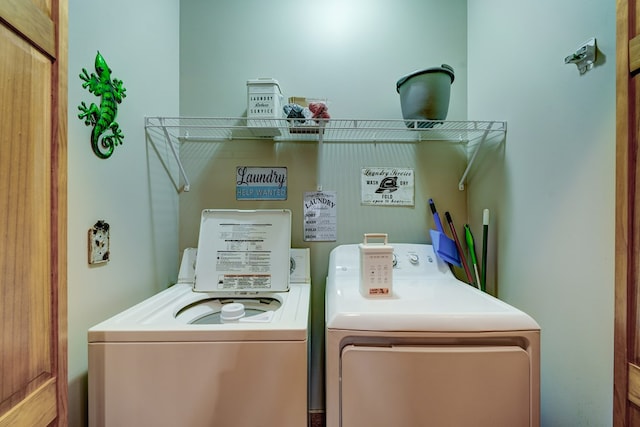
(106, 133)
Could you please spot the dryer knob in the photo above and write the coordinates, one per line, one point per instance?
(414, 259)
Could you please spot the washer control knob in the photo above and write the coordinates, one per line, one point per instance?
(414, 259)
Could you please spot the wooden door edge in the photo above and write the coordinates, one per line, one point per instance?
(623, 200)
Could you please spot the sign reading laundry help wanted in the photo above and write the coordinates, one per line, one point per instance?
(261, 183)
(387, 187)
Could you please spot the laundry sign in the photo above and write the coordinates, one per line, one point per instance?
(261, 183)
(387, 186)
(320, 224)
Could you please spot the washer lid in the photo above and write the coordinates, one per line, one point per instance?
(243, 250)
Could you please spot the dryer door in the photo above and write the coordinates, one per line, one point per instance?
(408, 386)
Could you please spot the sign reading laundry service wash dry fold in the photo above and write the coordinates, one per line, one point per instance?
(261, 183)
(387, 186)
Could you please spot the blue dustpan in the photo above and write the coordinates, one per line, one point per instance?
(445, 248)
(443, 245)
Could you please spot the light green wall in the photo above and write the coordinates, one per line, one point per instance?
(552, 190)
(130, 190)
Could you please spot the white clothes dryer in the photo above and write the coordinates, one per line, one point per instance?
(225, 346)
(434, 352)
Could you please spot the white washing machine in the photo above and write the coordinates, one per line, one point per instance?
(433, 352)
(226, 346)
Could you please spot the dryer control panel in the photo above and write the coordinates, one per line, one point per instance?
(411, 261)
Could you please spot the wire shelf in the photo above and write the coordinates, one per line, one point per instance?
(178, 129)
(325, 130)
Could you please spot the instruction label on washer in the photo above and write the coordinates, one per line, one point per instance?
(243, 250)
(387, 186)
(320, 223)
(243, 258)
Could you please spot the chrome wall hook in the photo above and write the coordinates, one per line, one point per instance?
(584, 57)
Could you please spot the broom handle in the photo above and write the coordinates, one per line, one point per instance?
(436, 217)
(459, 246)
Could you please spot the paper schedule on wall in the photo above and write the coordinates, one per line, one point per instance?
(320, 219)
